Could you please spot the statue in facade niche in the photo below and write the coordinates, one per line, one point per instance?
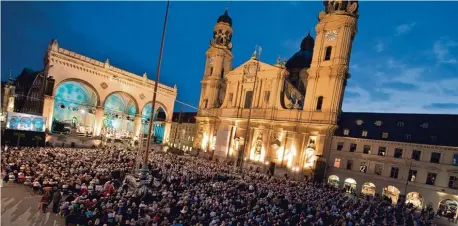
(258, 146)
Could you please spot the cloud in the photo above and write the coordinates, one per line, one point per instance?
(446, 106)
(404, 28)
(441, 49)
(350, 94)
(379, 47)
(400, 86)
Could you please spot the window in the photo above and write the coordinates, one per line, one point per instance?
(394, 172)
(353, 147)
(367, 149)
(346, 132)
(337, 163)
(211, 70)
(398, 153)
(359, 122)
(455, 160)
(431, 178)
(222, 73)
(416, 155)
(412, 175)
(267, 96)
(400, 124)
(378, 169)
(364, 134)
(327, 56)
(453, 182)
(229, 98)
(319, 103)
(424, 125)
(407, 136)
(248, 99)
(205, 103)
(435, 157)
(384, 135)
(340, 146)
(382, 151)
(349, 164)
(378, 123)
(363, 167)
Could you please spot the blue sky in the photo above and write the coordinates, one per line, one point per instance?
(404, 59)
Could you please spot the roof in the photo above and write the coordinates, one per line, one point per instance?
(433, 129)
(187, 117)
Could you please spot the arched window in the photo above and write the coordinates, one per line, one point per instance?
(319, 103)
(211, 70)
(205, 103)
(327, 56)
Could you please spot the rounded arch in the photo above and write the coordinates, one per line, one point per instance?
(416, 199)
(391, 192)
(350, 185)
(56, 86)
(147, 108)
(447, 208)
(333, 180)
(131, 102)
(368, 188)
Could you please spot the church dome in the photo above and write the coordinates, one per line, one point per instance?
(225, 18)
(303, 58)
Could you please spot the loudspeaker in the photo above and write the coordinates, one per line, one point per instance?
(49, 86)
(320, 169)
(271, 169)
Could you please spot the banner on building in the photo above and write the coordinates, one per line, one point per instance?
(25, 122)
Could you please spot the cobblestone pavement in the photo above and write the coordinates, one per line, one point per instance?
(20, 207)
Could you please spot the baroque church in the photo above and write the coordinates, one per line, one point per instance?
(283, 114)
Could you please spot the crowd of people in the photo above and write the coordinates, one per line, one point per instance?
(92, 187)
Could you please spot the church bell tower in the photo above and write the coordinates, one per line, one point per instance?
(328, 72)
(218, 64)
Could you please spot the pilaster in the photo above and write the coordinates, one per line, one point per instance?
(98, 123)
(48, 110)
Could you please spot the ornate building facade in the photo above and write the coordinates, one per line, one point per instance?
(294, 106)
(183, 130)
(92, 97)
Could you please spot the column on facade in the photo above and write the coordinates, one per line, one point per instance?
(48, 111)
(98, 123)
(303, 139)
(167, 129)
(223, 136)
(137, 125)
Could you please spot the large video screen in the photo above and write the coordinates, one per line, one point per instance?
(26, 122)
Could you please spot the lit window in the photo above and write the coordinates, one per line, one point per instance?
(400, 124)
(431, 178)
(412, 175)
(384, 135)
(367, 149)
(359, 122)
(346, 132)
(364, 134)
(337, 163)
(378, 123)
(424, 125)
(363, 167)
(382, 151)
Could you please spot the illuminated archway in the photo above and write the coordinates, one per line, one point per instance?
(333, 180)
(448, 207)
(368, 188)
(391, 192)
(158, 130)
(416, 199)
(350, 185)
(74, 107)
(119, 115)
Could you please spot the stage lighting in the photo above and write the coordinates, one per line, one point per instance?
(82, 111)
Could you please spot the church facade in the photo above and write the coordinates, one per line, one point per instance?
(283, 114)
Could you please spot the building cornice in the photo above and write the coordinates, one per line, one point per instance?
(428, 146)
(86, 64)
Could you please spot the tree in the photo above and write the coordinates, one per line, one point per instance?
(38, 139)
(19, 136)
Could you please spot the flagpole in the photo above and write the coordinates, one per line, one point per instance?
(247, 131)
(144, 170)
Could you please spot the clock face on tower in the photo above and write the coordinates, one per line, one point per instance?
(211, 60)
(331, 35)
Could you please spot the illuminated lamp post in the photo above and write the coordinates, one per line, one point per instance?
(144, 170)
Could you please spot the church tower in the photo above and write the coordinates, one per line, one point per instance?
(218, 63)
(328, 72)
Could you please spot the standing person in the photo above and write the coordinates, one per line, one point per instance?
(44, 202)
(55, 201)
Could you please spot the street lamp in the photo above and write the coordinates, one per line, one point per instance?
(144, 170)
